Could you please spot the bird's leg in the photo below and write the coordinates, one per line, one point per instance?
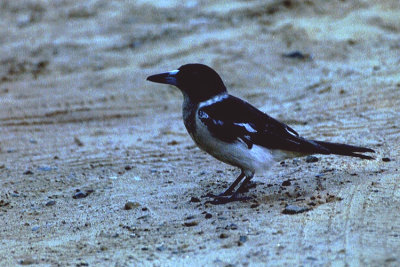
(242, 186)
(223, 199)
(230, 189)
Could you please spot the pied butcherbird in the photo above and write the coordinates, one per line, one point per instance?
(237, 133)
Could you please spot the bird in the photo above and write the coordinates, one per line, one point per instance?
(237, 133)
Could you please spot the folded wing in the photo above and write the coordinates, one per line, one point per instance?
(233, 120)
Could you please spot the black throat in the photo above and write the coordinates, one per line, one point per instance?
(189, 109)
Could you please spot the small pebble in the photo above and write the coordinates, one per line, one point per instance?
(127, 167)
(115, 235)
(78, 141)
(45, 168)
(27, 261)
(4, 203)
(231, 226)
(223, 236)
(243, 238)
(191, 223)
(28, 172)
(161, 248)
(79, 195)
(194, 199)
(172, 143)
(131, 205)
(208, 216)
(50, 203)
(292, 209)
(311, 159)
(297, 55)
(254, 205)
(286, 183)
(386, 159)
(143, 217)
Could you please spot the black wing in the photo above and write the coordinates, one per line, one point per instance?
(233, 119)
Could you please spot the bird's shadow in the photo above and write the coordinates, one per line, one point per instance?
(311, 192)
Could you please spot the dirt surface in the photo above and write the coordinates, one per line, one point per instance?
(96, 167)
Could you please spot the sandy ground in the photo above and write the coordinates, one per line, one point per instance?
(82, 133)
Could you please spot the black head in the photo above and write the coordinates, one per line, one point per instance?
(199, 82)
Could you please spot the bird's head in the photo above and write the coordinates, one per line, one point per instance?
(199, 82)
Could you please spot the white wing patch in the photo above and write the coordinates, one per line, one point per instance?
(290, 132)
(247, 127)
(202, 115)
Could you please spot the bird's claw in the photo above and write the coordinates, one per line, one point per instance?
(221, 199)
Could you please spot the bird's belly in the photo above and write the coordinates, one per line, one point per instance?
(256, 159)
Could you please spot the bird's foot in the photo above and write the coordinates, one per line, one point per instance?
(230, 192)
(247, 187)
(221, 199)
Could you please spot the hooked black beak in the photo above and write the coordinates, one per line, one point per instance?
(166, 77)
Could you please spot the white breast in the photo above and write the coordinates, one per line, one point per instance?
(237, 154)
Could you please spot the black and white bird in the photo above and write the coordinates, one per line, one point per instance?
(235, 132)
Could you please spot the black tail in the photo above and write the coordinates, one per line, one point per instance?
(345, 150)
